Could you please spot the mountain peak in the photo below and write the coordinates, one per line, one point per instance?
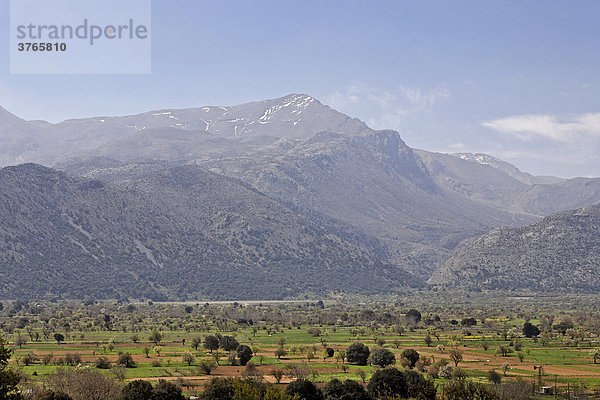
(507, 168)
(298, 98)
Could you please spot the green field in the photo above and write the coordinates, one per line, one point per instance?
(304, 331)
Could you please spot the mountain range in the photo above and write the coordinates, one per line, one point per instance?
(558, 253)
(181, 233)
(288, 194)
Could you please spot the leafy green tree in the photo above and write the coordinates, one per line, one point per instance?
(494, 377)
(362, 375)
(382, 357)
(188, 358)
(427, 339)
(348, 390)
(456, 356)
(281, 342)
(388, 382)
(196, 341)
(59, 337)
(329, 351)
(228, 343)
(211, 343)
(304, 389)
(244, 354)
(165, 390)
(418, 387)
(563, 326)
(107, 322)
(413, 316)
(9, 379)
(155, 337)
(218, 389)
(126, 360)
(280, 353)
(138, 390)
(504, 350)
(358, 353)
(411, 355)
(530, 330)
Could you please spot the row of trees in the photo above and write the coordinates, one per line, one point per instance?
(384, 384)
(360, 354)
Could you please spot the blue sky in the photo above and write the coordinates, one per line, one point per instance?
(516, 79)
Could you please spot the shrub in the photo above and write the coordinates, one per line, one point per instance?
(47, 358)
(206, 366)
(251, 371)
(466, 390)
(50, 395)
(102, 363)
(29, 359)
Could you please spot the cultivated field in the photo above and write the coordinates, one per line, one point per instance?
(288, 341)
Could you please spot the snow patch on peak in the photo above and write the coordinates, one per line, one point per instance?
(480, 158)
(297, 103)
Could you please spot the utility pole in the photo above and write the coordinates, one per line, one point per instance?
(540, 369)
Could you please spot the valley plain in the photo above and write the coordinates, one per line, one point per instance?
(163, 247)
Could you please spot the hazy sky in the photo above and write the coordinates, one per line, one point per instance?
(516, 79)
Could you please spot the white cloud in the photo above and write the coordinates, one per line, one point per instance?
(420, 98)
(535, 126)
(386, 108)
(456, 148)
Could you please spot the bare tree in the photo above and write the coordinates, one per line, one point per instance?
(85, 384)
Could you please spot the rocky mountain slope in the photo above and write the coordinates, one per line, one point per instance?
(374, 182)
(170, 134)
(75, 237)
(560, 252)
(408, 209)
